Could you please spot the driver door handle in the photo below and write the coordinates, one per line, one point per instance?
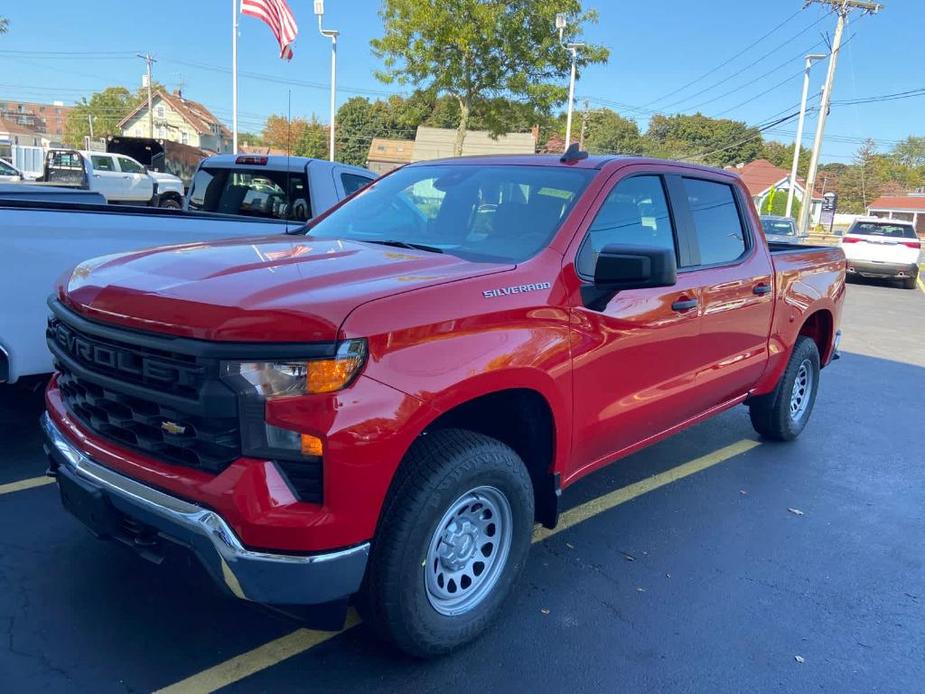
(761, 289)
(684, 305)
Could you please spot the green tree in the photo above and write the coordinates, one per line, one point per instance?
(359, 120)
(910, 152)
(477, 52)
(781, 155)
(105, 108)
(250, 138)
(776, 203)
(607, 132)
(716, 141)
(313, 141)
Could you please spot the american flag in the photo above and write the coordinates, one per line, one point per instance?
(278, 17)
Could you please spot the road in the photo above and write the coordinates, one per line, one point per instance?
(759, 567)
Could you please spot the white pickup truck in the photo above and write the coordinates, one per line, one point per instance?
(42, 238)
(117, 177)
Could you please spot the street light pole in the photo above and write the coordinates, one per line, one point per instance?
(561, 23)
(331, 34)
(798, 141)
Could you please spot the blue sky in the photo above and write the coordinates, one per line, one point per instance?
(656, 46)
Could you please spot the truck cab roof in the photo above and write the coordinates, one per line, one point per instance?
(276, 162)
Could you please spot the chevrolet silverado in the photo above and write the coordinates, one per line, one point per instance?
(384, 404)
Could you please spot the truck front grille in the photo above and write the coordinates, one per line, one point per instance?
(170, 406)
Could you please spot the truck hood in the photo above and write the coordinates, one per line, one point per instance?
(266, 289)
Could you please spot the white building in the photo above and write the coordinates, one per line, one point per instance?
(180, 120)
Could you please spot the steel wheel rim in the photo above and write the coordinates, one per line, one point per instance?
(468, 551)
(802, 390)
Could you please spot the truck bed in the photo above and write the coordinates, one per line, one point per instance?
(43, 238)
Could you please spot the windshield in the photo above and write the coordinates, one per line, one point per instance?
(480, 213)
(892, 231)
(779, 227)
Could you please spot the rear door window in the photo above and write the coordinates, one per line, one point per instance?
(890, 231)
(353, 182)
(251, 193)
(717, 225)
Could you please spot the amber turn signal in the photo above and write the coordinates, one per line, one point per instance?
(311, 445)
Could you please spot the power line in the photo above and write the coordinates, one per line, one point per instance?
(724, 63)
(743, 69)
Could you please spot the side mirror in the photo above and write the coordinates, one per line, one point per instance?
(635, 267)
(621, 266)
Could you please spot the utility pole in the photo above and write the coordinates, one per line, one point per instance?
(148, 62)
(90, 121)
(798, 140)
(841, 8)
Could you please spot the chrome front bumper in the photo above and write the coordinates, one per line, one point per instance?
(250, 575)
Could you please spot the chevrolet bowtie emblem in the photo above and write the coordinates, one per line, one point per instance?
(173, 428)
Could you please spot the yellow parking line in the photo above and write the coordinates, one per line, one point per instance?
(254, 661)
(920, 283)
(25, 484)
(301, 640)
(591, 508)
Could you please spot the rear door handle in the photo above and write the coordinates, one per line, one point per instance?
(684, 305)
(761, 289)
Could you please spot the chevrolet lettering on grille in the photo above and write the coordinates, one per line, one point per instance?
(113, 357)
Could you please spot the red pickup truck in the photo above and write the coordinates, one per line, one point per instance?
(385, 403)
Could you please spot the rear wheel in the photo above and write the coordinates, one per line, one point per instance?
(782, 414)
(452, 541)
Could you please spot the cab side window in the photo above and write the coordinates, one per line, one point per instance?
(635, 213)
(717, 224)
(101, 163)
(130, 165)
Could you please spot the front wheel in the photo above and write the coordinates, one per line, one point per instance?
(171, 204)
(452, 541)
(782, 414)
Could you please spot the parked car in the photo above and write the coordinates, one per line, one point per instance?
(779, 229)
(46, 230)
(272, 186)
(10, 174)
(388, 400)
(883, 248)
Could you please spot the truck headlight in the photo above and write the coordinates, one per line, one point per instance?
(270, 379)
(255, 382)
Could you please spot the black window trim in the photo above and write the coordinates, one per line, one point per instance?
(605, 192)
(691, 233)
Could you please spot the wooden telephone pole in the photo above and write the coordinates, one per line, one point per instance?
(842, 8)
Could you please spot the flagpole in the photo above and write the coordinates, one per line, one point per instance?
(234, 76)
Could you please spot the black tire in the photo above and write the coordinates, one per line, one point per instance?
(439, 470)
(772, 414)
(171, 204)
(909, 282)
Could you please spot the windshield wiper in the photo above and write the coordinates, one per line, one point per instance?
(406, 244)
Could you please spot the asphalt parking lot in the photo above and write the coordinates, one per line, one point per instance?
(758, 567)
